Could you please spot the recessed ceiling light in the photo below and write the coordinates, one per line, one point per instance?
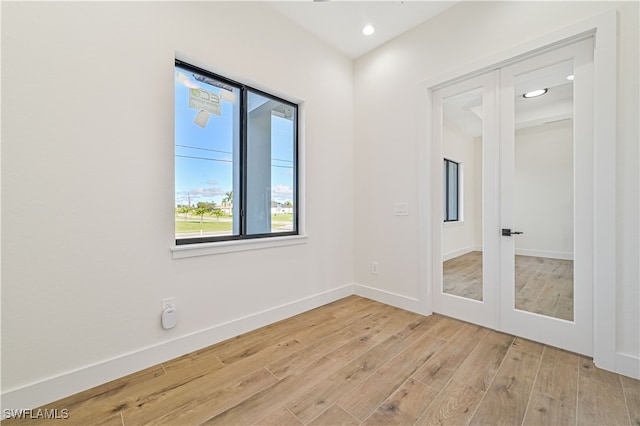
(368, 30)
(570, 77)
(535, 93)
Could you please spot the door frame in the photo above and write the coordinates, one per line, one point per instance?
(603, 28)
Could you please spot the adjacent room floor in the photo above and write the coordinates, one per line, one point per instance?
(543, 285)
(356, 361)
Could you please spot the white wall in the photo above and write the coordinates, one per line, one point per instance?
(543, 190)
(459, 238)
(463, 35)
(87, 187)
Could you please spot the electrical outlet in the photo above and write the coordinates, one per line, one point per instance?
(169, 302)
(374, 267)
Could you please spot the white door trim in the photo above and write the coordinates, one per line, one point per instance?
(604, 29)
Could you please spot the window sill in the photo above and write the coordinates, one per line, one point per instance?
(206, 249)
(456, 223)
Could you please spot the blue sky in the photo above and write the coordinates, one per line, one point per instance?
(209, 175)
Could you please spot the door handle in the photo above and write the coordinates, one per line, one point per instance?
(506, 232)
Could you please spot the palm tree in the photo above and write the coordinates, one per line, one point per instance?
(228, 199)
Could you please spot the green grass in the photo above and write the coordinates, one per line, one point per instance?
(213, 225)
(282, 217)
(206, 226)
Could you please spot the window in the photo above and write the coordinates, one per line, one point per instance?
(451, 191)
(235, 160)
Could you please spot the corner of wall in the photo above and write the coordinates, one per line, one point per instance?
(57, 387)
(397, 300)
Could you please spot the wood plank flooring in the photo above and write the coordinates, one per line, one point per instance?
(360, 362)
(462, 275)
(543, 286)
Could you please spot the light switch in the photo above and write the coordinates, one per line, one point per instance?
(401, 209)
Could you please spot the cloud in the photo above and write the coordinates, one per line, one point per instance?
(200, 194)
(282, 193)
(279, 193)
(207, 192)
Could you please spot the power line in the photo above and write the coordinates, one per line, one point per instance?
(223, 152)
(204, 149)
(203, 158)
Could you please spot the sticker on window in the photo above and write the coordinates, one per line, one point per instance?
(204, 100)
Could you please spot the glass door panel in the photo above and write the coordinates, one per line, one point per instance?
(543, 191)
(462, 189)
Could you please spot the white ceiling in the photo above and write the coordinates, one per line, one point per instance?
(340, 22)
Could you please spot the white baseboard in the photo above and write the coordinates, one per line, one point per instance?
(389, 298)
(54, 388)
(520, 252)
(628, 365)
(543, 253)
(460, 252)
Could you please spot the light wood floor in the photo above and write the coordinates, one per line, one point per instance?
(356, 361)
(462, 275)
(543, 286)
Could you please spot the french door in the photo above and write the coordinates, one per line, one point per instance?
(467, 135)
(517, 254)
